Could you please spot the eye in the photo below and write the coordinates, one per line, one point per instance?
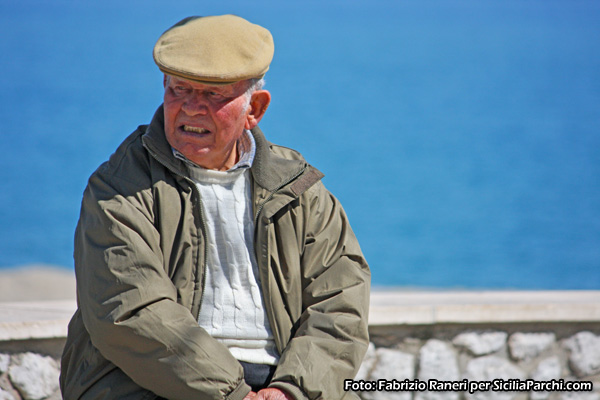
(215, 95)
(179, 90)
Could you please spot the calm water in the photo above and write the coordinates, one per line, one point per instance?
(462, 137)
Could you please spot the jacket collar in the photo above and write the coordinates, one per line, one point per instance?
(269, 170)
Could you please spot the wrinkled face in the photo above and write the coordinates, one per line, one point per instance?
(204, 122)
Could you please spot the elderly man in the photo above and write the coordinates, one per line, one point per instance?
(210, 263)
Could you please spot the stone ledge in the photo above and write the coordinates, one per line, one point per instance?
(35, 320)
(49, 319)
(482, 307)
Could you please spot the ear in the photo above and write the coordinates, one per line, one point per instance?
(259, 102)
(165, 81)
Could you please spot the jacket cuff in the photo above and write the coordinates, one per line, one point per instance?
(239, 392)
(291, 389)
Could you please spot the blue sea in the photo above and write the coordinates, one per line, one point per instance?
(462, 137)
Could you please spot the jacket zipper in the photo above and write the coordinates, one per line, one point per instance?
(262, 278)
(202, 219)
(205, 231)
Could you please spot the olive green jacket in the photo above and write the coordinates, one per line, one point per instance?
(140, 251)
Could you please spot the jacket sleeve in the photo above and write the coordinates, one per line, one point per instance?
(128, 302)
(331, 337)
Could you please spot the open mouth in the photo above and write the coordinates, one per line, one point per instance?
(194, 129)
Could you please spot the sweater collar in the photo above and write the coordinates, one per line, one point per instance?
(269, 170)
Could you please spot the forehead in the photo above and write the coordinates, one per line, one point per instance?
(232, 88)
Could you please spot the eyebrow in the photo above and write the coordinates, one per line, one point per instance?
(226, 90)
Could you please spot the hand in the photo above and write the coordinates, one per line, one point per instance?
(272, 394)
(250, 395)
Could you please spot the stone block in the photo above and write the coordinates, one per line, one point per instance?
(7, 389)
(6, 396)
(4, 361)
(482, 342)
(546, 370)
(579, 396)
(526, 346)
(488, 368)
(33, 375)
(437, 360)
(391, 364)
(584, 355)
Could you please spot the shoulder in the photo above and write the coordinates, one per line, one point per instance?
(285, 152)
(129, 165)
(122, 183)
(308, 183)
(120, 186)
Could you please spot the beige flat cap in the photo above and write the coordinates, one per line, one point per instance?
(217, 50)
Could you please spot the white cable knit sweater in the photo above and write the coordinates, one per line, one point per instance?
(232, 308)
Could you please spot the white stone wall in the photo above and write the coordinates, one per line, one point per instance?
(475, 355)
(28, 376)
(482, 355)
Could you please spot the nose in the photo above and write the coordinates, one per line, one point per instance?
(195, 104)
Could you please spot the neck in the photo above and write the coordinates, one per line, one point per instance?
(230, 160)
